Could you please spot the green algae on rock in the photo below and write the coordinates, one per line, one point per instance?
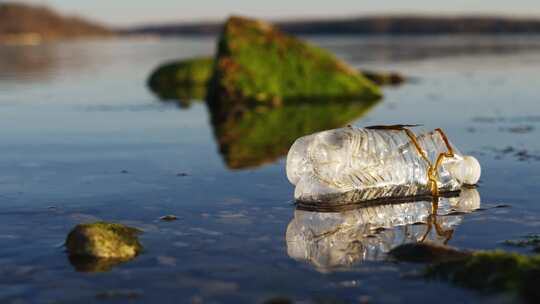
(183, 80)
(487, 271)
(103, 240)
(493, 271)
(187, 79)
(258, 64)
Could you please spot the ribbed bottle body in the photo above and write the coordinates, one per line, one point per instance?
(356, 164)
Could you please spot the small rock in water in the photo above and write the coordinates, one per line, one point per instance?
(103, 240)
(168, 218)
(427, 252)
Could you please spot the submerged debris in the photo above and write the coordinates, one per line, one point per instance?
(168, 218)
(103, 240)
(519, 154)
(384, 78)
(531, 240)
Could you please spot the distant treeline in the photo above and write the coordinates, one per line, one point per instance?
(391, 25)
(18, 20)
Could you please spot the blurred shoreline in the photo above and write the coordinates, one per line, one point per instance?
(23, 24)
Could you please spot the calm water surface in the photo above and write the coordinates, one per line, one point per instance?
(82, 139)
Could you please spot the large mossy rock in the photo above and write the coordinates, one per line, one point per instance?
(256, 63)
(103, 240)
(186, 80)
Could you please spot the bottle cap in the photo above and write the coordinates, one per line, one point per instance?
(468, 171)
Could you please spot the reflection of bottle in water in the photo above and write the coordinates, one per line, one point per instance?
(340, 239)
(356, 164)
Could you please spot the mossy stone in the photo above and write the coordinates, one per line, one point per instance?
(256, 63)
(493, 271)
(182, 80)
(488, 271)
(103, 240)
(187, 79)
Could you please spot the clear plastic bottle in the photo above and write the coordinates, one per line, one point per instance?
(350, 164)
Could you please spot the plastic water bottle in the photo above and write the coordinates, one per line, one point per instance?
(349, 165)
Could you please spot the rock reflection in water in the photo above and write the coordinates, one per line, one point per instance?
(184, 97)
(251, 133)
(89, 264)
(21, 62)
(333, 240)
(252, 136)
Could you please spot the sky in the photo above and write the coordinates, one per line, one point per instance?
(136, 12)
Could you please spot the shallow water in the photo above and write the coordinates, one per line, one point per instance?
(82, 138)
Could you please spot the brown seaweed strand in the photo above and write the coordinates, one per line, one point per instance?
(431, 173)
(441, 156)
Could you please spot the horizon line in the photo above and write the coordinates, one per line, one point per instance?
(294, 19)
